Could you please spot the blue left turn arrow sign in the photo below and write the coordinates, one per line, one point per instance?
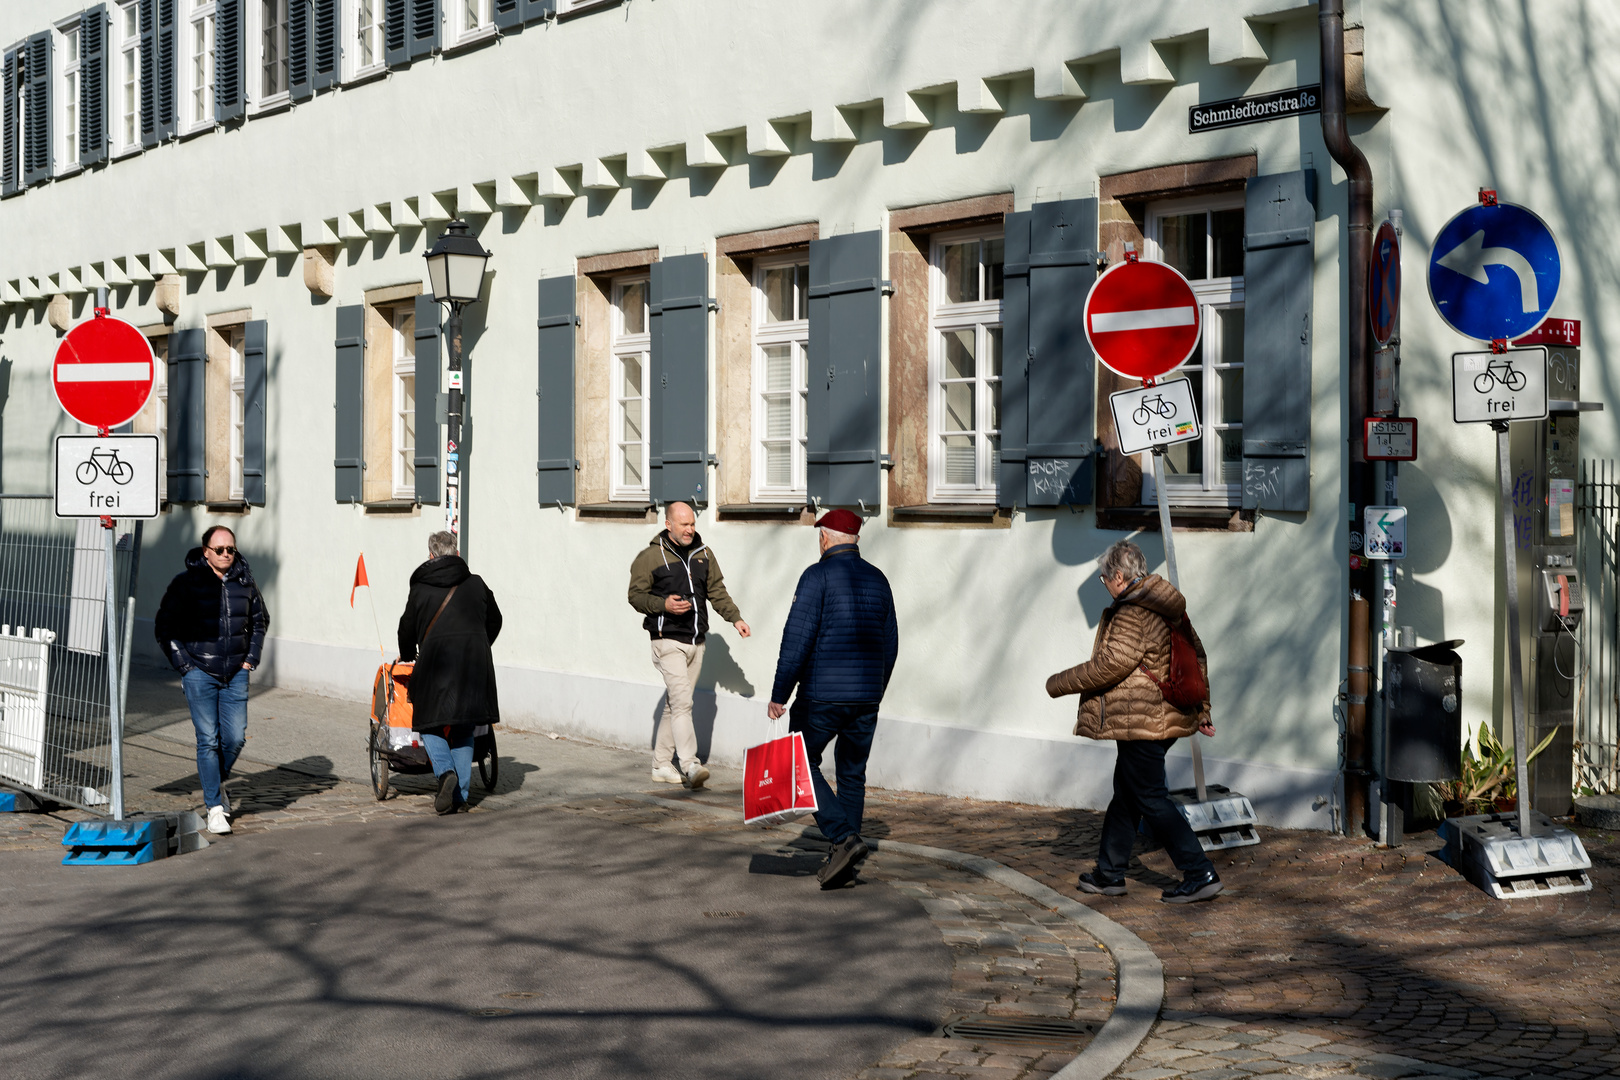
(1494, 271)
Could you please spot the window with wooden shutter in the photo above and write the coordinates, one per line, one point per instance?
(349, 403)
(230, 54)
(535, 10)
(1279, 233)
(255, 373)
(299, 17)
(424, 32)
(397, 32)
(326, 43)
(93, 26)
(508, 14)
(554, 461)
(846, 332)
(428, 438)
(38, 127)
(11, 79)
(1011, 471)
(187, 415)
(779, 405)
(632, 419)
(679, 328)
(1061, 387)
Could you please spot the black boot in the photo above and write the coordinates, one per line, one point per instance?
(449, 793)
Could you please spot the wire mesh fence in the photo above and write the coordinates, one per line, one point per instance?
(55, 723)
(1597, 708)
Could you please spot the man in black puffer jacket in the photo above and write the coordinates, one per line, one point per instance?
(211, 626)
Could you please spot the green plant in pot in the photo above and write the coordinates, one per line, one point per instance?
(1489, 779)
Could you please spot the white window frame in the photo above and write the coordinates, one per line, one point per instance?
(624, 346)
(235, 339)
(404, 368)
(254, 76)
(70, 51)
(983, 317)
(794, 333)
(351, 48)
(1214, 296)
(200, 12)
(465, 30)
(127, 71)
(567, 7)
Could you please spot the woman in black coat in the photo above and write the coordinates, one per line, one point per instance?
(450, 622)
(211, 626)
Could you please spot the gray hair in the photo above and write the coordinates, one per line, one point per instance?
(1123, 557)
(441, 544)
(835, 537)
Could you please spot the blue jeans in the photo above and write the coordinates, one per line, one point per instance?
(1140, 792)
(219, 714)
(450, 753)
(852, 723)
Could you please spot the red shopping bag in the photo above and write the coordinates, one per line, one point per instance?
(776, 782)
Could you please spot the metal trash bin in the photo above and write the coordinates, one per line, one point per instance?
(1424, 729)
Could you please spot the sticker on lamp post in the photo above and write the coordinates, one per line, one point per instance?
(1385, 532)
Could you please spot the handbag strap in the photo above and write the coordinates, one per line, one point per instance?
(436, 614)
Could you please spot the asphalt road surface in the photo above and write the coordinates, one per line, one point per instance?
(532, 942)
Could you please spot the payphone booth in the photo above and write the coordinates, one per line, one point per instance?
(1546, 468)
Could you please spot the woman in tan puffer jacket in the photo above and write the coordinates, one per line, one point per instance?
(1121, 702)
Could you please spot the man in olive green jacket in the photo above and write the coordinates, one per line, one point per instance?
(671, 583)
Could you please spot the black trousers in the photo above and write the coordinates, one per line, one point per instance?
(1140, 793)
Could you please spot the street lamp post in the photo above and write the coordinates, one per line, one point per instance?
(456, 272)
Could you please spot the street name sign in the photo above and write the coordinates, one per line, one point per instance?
(1384, 283)
(1487, 386)
(1158, 415)
(107, 476)
(1391, 438)
(104, 372)
(1142, 319)
(1385, 532)
(1494, 272)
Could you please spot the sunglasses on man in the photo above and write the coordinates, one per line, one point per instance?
(226, 550)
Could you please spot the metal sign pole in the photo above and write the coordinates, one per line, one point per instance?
(115, 714)
(1504, 471)
(1175, 581)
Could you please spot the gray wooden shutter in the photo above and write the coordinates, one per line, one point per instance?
(1012, 473)
(167, 105)
(429, 438)
(147, 28)
(349, 405)
(326, 50)
(1062, 387)
(299, 16)
(93, 85)
(38, 137)
(10, 145)
(255, 375)
(508, 13)
(534, 10)
(188, 430)
(230, 61)
(678, 446)
(396, 32)
(424, 28)
(1279, 230)
(844, 435)
(555, 459)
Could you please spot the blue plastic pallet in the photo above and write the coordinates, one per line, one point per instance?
(115, 843)
(16, 801)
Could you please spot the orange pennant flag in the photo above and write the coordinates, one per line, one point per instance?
(359, 577)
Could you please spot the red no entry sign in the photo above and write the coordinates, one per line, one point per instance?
(103, 372)
(1142, 319)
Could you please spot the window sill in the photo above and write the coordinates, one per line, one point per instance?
(393, 506)
(960, 515)
(771, 513)
(370, 74)
(471, 40)
(615, 511)
(203, 128)
(278, 104)
(583, 7)
(229, 506)
(1182, 518)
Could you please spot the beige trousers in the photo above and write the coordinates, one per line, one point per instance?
(679, 664)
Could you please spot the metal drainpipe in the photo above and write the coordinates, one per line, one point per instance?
(1358, 370)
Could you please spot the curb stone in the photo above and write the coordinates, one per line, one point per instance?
(1139, 972)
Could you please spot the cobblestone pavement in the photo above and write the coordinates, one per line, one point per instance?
(1370, 962)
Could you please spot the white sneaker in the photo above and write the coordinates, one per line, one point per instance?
(667, 773)
(696, 774)
(218, 822)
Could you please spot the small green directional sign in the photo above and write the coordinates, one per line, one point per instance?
(1385, 534)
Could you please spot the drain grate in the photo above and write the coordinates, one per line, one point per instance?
(724, 914)
(489, 1013)
(1021, 1031)
(521, 994)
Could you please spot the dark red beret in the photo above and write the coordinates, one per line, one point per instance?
(843, 521)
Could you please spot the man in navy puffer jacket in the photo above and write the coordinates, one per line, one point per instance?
(838, 648)
(211, 626)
